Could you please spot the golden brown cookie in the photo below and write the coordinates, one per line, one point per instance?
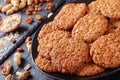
(51, 39)
(69, 15)
(69, 54)
(111, 8)
(113, 25)
(44, 64)
(90, 27)
(11, 23)
(105, 51)
(94, 7)
(89, 69)
(47, 28)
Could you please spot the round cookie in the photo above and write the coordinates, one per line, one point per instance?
(113, 25)
(94, 7)
(69, 54)
(11, 23)
(89, 69)
(69, 15)
(47, 28)
(90, 27)
(49, 41)
(105, 51)
(111, 8)
(44, 64)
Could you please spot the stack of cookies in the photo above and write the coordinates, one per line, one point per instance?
(82, 40)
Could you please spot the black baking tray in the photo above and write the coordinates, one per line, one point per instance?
(60, 76)
(26, 29)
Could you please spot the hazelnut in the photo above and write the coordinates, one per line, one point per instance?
(20, 49)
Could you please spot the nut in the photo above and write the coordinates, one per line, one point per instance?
(28, 39)
(38, 17)
(49, 6)
(28, 12)
(29, 20)
(42, 1)
(49, 0)
(49, 15)
(18, 73)
(36, 2)
(10, 77)
(1, 7)
(20, 49)
(24, 75)
(39, 9)
(14, 41)
(6, 68)
(27, 67)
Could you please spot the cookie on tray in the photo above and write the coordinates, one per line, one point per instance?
(47, 28)
(69, 54)
(89, 69)
(94, 7)
(44, 64)
(113, 26)
(69, 15)
(50, 40)
(90, 27)
(111, 8)
(105, 51)
(11, 23)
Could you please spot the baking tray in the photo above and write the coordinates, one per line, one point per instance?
(25, 29)
(60, 76)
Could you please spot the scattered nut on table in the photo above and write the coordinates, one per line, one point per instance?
(29, 20)
(27, 67)
(24, 75)
(17, 58)
(9, 77)
(6, 68)
(20, 49)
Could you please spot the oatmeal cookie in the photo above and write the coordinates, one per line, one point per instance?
(11, 23)
(105, 51)
(47, 28)
(44, 64)
(90, 27)
(50, 40)
(89, 69)
(94, 7)
(69, 54)
(111, 8)
(69, 15)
